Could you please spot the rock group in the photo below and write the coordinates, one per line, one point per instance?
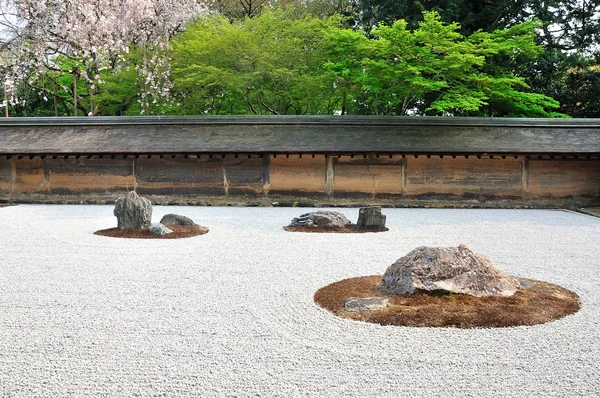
(449, 269)
(321, 219)
(133, 211)
(369, 218)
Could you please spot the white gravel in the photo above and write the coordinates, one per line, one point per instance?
(231, 313)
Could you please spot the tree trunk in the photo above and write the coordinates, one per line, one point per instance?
(75, 76)
(5, 101)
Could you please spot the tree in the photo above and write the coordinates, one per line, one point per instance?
(569, 31)
(471, 14)
(436, 70)
(239, 9)
(569, 25)
(580, 98)
(85, 38)
(270, 64)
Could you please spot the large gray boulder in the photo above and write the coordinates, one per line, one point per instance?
(370, 217)
(176, 219)
(321, 219)
(133, 211)
(451, 269)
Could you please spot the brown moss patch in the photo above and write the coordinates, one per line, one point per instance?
(540, 302)
(351, 229)
(179, 231)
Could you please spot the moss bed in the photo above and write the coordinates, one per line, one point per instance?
(179, 231)
(351, 229)
(535, 303)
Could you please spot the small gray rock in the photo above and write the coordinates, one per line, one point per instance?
(355, 304)
(159, 229)
(133, 211)
(321, 219)
(370, 217)
(176, 219)
(525, 283)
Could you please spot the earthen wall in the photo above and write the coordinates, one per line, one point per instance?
(312, 179)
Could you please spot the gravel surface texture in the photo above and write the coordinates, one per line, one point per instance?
(231, 313)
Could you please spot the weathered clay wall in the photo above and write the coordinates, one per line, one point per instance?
(394, 180)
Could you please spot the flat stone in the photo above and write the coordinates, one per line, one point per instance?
(525, 283)
(133, 211)
(370, 217)
(450, 269)
(321, 219)
(159, 229)
(356, 304)
(176, 219)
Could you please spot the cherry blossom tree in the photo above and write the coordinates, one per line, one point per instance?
(86, 37)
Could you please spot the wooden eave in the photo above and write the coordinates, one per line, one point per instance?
(285, 135)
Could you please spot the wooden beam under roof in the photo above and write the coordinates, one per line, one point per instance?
(336, 135)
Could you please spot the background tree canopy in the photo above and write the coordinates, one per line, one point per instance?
(521, 58)
(270, 64)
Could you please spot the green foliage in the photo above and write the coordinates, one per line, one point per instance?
(287, 62)
(473, 15)
(436, 70)
(274, 64)
(581, 91)
(270, 64)
(569, 30)
(118, 94)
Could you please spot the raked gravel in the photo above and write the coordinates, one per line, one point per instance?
(231, 313)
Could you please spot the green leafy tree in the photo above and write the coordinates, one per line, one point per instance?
(472, 15)
(580, 98)
(270, 64)
(436, 70)
(239, 9)
(570, 34)
(569, 31)
(118, 94)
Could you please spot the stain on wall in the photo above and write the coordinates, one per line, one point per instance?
(77, 176)
(30, 176)
(564, 178)
(298, 175)
(463, 177)
(243, 175)
(179, 175)
(6, 177)
(369, 175)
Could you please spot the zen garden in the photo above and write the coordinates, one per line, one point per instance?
(321, 198)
